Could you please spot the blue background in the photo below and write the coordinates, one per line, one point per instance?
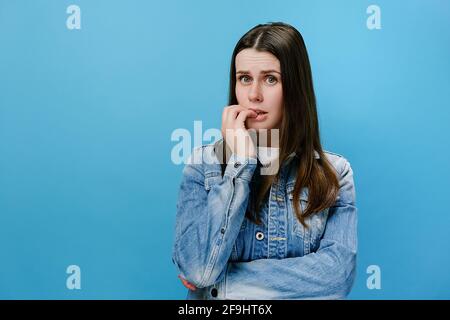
(86, 118)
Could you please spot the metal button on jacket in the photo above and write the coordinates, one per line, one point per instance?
(259, 235)
(237, 164)
(214, 292)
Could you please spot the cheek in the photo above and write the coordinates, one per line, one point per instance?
(240, 94)
(277, 116)
(275, 99)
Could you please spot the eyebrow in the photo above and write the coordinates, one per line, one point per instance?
(263, 71)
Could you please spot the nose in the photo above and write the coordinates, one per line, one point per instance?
(255, 93)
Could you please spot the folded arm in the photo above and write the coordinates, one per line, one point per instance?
(208, 223)
(327, 273)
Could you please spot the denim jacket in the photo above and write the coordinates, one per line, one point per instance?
(226, 256)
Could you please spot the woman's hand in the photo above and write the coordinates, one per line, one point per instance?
(187, 284)
(234, 131)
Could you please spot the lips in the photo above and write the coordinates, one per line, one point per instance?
(261, 115)
(258, 111)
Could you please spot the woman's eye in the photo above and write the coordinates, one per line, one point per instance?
(272, 79)
(246, 79)
(243, 77)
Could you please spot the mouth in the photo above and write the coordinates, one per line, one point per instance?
(258, 111)
(260, 114)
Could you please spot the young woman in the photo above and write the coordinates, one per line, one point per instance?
(244, 234)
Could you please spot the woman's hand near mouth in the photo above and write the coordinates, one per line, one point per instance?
(261, 114)
(234, 131)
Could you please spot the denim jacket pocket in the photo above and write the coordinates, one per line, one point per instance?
(316, 223)
(297, 227)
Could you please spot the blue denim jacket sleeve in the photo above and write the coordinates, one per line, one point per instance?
(208, 223)
(328, 273)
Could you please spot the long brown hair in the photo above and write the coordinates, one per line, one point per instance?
(299, 129)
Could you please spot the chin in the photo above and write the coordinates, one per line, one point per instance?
(259, 126)
(256, 127)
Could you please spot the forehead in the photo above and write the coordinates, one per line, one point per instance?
(253, 60)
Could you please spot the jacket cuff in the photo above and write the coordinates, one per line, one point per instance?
(241, 167)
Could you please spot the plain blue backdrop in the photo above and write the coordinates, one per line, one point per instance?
(86, 118)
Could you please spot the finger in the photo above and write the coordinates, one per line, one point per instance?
(229, 118)
(190, 286)
(243, 116)
(225, 113)
(227, 109)
(234, 111)
(187, 284)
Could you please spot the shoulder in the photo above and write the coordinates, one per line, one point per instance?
(204, 154)
(345, 175)
(340, 163)
(203, 159)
